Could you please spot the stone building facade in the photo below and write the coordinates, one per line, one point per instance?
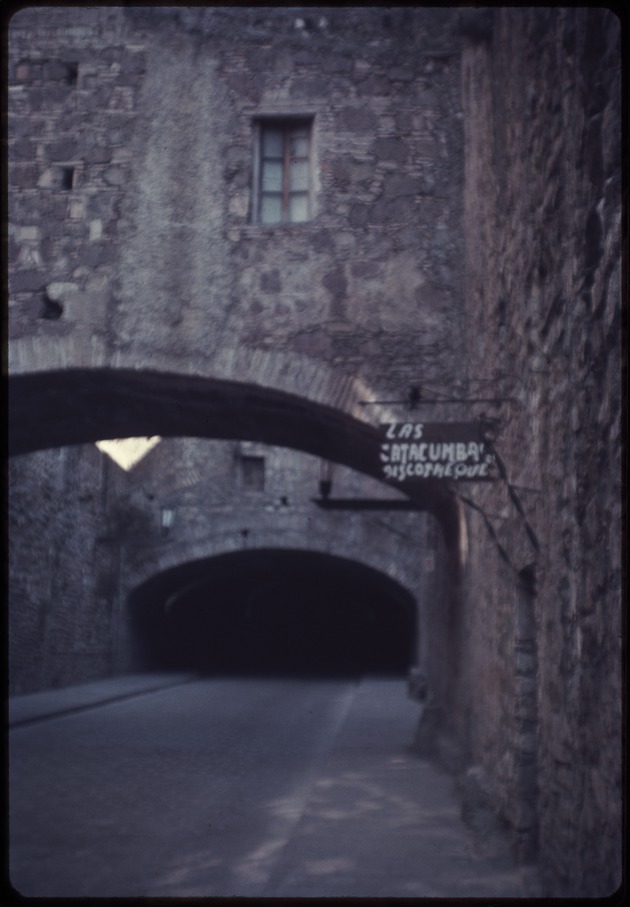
(450, 224)
(541, 94)
(154, 259)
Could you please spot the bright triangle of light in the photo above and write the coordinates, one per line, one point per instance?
(127, 452)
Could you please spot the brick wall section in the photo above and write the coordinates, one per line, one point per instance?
(542, 112)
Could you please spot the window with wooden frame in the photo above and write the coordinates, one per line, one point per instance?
(283, 172)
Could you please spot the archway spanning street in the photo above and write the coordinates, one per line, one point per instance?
(75, 406)
(273, 611)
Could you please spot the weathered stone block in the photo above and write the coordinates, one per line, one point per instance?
(323, 242)
(96, 230)
(98, 155)
(358, 215)
(29, 308)
(239, 205)
(391, 149)
(309, 87)
(20, 126)
(76, 209)
(358, 119)
(22, 150)
(334, 64)
(401, 74)
(61, 149)
(526, 707)
(99, 253)
(115, 176)
(23, 72)
(24, 176)
(59, 290)
(374, 86)
(53, 96)
(270, 281)
(26, 280)
(391, 211)
(366, 269)
(396, 185)
(28, 234)
(336, 284)
(131, 78)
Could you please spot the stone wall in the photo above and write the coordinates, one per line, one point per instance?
(466, 227)
(541, 92)
(218, 510)
(62, 588)
(84, 533)
(132, 136)
(131, 151)
(371, 284)
(73, 80)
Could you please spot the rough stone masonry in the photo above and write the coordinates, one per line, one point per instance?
(541, 94)
(464, 234)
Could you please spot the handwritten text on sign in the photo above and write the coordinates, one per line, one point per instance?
(419, 450)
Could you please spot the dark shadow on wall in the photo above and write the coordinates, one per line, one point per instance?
(273, 613)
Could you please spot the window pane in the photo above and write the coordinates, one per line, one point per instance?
(272, 142)
(284, 173)
(271, 209)
(298, 175)
(298, 145)
(298, 208)
(272, 176)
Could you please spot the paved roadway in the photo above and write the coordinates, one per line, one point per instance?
(251, 787)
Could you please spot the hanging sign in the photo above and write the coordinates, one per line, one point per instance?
(423, 450)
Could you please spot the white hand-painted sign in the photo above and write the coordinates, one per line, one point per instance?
(420, 450)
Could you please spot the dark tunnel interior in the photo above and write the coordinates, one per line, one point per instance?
(273, 613)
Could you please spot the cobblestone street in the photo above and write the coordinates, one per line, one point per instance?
(221, 787)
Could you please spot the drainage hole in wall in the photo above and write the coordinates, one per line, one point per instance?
(72, 73)
(67, 177)
(51, 309)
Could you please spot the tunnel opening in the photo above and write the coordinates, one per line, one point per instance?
(273, 613)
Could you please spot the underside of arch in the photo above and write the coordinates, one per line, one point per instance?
(75, 406)
(273, 610)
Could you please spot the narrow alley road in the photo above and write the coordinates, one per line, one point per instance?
(251, 787)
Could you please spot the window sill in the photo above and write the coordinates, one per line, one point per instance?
(247, 231)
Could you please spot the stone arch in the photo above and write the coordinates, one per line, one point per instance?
(232, 582)
(61, 407)
(274, 369)
(232, 542)
(321, 415)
